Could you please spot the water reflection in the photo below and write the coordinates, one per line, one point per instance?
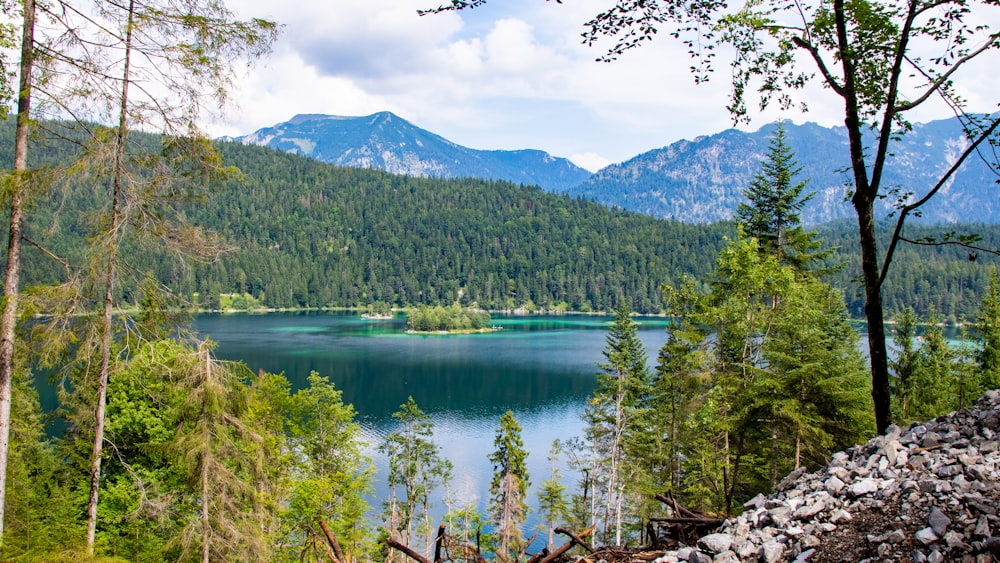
(540, 367)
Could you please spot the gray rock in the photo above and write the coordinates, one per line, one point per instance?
(926, 536)
(896, 536)
(862, 487)
(992, 545)
(840, 516)
(807, 512)
(715, 543)
(755, 502)
(772, 552)
(982, 527)
(938, 521)
(833, 485)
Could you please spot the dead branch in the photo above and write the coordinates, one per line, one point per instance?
(339, 555)
(405, 549)
(574, 540)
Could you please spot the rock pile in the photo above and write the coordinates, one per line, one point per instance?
(927, 493)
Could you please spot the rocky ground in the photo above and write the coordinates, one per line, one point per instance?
(927, 493)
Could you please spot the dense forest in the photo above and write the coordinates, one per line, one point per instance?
(170, 454)
(306, 234)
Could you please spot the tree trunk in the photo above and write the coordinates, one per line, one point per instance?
(205, 523)
(13, 274)
(116, 224)
(873, 314)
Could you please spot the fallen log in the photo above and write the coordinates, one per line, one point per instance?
(405, 549)
(574, 540)
(701, 521)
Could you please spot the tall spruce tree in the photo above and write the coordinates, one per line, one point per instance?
(904, 365)
(774, 203)
(509, 488)
(622, 393)
(552, 502)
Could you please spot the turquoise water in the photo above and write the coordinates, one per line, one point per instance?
(540, 367)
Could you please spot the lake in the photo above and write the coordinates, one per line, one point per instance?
(540, 367)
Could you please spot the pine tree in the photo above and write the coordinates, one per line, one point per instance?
(904, 366)
(509, 488)
(622, 393)
(775, 200)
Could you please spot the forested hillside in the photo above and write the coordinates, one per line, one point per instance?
(306, 234)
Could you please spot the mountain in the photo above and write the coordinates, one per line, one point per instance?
(703, 180)
(305, 233)
(385, 141)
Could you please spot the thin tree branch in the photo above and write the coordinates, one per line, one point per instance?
(827, 75)
(906, 209)
(941, 80)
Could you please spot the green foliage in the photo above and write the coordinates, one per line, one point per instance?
(451, 318)
(553, 504)
(988, 325)
(416, 469)
(613, 419)
(771, 213)
(332, 475)
(509, 489)
(763, 375)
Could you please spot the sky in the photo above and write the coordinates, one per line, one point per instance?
(510, 75)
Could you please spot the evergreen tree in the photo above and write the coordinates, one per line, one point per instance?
(936, 378)
(622, 393)
(222, 462)
(988, 326)
(416, 469)
(552, 503)
(905, 365)
(332, 474)
(509, 488)
(774, 202)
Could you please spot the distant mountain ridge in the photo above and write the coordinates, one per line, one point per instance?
(385, 141)
(703, 180)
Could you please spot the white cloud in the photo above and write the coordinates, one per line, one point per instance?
(513, 74)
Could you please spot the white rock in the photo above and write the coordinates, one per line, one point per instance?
(862, 487)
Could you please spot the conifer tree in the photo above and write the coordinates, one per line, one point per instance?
(622, 393)
(332, 474)
(774, 202)
(552, 503)
(988, 325)
(509, 488)
(905, 365)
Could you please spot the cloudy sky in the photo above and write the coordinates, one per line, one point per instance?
(510, 75)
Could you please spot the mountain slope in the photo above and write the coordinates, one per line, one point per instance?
(703, 180)
(384, 141)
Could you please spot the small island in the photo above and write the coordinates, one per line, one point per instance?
(378, 311)
(453, 319)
